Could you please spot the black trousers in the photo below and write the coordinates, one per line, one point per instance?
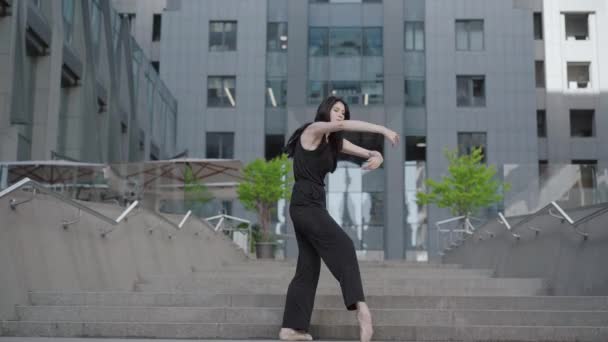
(319, 237)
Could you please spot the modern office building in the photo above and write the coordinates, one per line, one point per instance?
(520, 78)
(74, 84)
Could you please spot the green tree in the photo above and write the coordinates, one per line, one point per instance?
(264, 184)
(469, 186)
(196, 194)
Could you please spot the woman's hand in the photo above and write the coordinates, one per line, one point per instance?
(374, 161)
(392, 136)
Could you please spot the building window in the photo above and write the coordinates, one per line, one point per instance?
(274, 145)
(577, 26)
(156, 22)
(276, 37)
(131, 20)
(471, 91)
(469, 35)
(318, 41)
(156, 66)
(222, 35)
(276, 93)
(344, 1)
(415, 92)
(372, 41)
(317, 91)
(415, 148)
(221, 91)
(582, 123)
(372, 92)
(588, 172)
(541, 123)
(350, 91)
(543, 171)
(467, 141)
(539, 67)
(345, 42)
(67, 7)
(578, 75)
(227, 207)
(414, 36)
(538, 25)
(354, 92)
(220, 145)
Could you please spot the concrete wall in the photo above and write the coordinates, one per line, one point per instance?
(570, 264)
(69, 119)
(36, 253)
(560, 146)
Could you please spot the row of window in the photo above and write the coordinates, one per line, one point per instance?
(345, 41)
(221, 144)
(576, 26)
(324, 41)
(221, 91)
(578, 74)
(582, 123)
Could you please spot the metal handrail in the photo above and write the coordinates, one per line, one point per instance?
(27, 181)
(592, 215)
(219, 225)
(114, 222)
(503, 220)
(563, 215)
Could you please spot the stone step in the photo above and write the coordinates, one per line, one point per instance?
(561, 303)
(452, 286)
(397, 264)
(270, 331)
(370, 273)
(378, 291)
(320, 316)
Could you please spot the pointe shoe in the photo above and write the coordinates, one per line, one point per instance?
(291, 335)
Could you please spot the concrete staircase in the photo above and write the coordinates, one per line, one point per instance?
(409, 302)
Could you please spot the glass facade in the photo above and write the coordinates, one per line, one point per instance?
(346, 62)
(355, 200)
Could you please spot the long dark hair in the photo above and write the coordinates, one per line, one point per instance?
(323, 114)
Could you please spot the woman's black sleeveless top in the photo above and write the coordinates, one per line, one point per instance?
(309, 170)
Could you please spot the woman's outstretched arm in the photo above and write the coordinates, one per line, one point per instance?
(318, 128)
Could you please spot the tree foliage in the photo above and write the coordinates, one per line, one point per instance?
(265, 183)
(469, 186)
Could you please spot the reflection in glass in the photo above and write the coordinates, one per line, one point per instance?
(372, 41)
(318, 41)
(414, 36)
(417, 225)
(222, 35)
(345, 42)
(317, 91)
(372, 92)
(359, 213)
(350, 91)
(221, 91)
(415, 93)
(276, 37)
(276, 93)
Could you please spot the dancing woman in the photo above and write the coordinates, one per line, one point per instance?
(314, 148)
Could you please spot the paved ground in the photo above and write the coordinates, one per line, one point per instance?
(62, 339)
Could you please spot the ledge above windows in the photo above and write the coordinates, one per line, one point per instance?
(38, 34)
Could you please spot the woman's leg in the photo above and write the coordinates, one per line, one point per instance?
(337, 250)
(300, 297)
